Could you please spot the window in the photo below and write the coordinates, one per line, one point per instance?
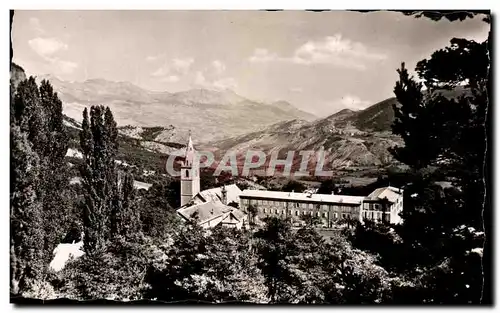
(290, 212)
(296, 204)
(296, 213)
(304, 205)
(343, 215)
(310, 205)
(335, 215)
(277, 212)
(317, 214)
(324, 214)
(187, 174)
(263, 210)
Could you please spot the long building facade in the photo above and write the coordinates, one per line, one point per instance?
(382, 205)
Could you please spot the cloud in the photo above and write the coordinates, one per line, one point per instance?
(65, 66)
(225, 83)
(182, 66)
(47, 46)
(296, 89)
(171, 79)
(263, 55)
(152, 58)
(201, 80)
(176, 67)
(331, 50)
(35, 24)
(218, 66)
(162, 71)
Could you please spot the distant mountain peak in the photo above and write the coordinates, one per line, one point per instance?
(344, 111)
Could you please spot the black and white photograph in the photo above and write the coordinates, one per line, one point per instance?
(181, 157)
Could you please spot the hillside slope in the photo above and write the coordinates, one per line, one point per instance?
(349, 138)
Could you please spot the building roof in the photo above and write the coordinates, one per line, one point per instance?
(205, 211)
(391, 193)
(234, 217)
(297, 196)
(215, 194)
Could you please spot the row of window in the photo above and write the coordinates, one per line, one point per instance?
(365, 214)
(301, 205)
(373, 215)
(377, 207)
(297, 213)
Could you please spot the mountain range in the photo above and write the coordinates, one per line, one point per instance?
(350, 138)
(208, 114)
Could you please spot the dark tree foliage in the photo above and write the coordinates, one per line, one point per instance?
(26, 231)
(119, 272)
(252, 214)
(327, 187)
(103, 200)
(449, 15)
(125, 220)
(157, 208)
(230, 267)
(174, 281)
(29, 114)
(293, 185)
(443, 126)
(56, 197)
(36, 116)
(274, 247)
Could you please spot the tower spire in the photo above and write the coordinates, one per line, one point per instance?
(190, 179)
(189, 151)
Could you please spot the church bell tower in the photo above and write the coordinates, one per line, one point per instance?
(190, 174)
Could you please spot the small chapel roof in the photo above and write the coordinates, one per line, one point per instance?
(215, 194)
(204, 212)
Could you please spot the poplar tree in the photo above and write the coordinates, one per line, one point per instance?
(55, 177)
(26, 231)
(110, 204)
(94, 181)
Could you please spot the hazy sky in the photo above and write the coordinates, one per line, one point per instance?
(320, 62)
